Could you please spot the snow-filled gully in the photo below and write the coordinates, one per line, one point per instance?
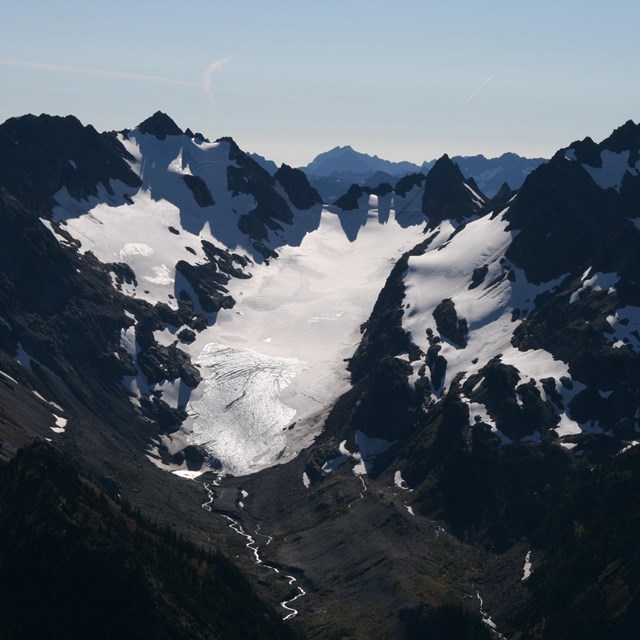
(486, 618)
(364, 488)
(254, 547)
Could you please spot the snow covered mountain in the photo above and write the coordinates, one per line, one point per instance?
(415, 355)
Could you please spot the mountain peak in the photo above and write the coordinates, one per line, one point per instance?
(447, 194)
(346, 160)
(624, 138)
(160, 125)
(445, 167)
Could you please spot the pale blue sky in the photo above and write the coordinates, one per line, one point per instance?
(290, 79)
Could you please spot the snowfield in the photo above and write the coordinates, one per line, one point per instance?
(294, 323)
(273, 363)
(444, 272)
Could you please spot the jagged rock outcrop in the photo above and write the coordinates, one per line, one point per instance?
(297, 187)
(159, 125)
(447, 195)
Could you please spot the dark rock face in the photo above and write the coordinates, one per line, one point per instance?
(187, 336)
(250, 178)
(436, 363)
(478, 276)
(349, 201)
(624, 138)
(586, 586)
(587, 152)
(492, 173)
(406, 183)
(208, 280)
(40, 155)
(297, 187)
(445, 194)
(577, 334)
(167, 418)
(61, 308)
(386, 403)
(208, 284)
(504, 194)
(200, 191)
(160, 125)
(566, 222)
(448, 324)
(383, 334)
(160, 363)
(517, 409)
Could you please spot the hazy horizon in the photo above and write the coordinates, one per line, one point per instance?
(291, 80)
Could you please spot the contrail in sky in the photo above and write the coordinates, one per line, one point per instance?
(98, 73)
(207, 77)
(487, 81)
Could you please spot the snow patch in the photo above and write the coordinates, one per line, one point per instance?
(625, 328)
(61, 424)
(526, 572)
(614, 167)
(180, 470)
(49, 402)
(597, 282)
(398, 480)
(187, 474)
(165, 338)
(632, 444)
(567, 426)
(8, 377)
(370, 449)
(477, 198)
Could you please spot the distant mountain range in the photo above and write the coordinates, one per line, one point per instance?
(334, 171)
(348, 160)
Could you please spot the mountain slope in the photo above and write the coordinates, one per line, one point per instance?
(494, 376)
(434, 396)
(76, 563)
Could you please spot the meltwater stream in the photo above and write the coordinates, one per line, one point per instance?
(253, 546)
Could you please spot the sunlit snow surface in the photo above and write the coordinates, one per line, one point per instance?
(239, 415)
(272, 365)
(277, 357)
(444, 271)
